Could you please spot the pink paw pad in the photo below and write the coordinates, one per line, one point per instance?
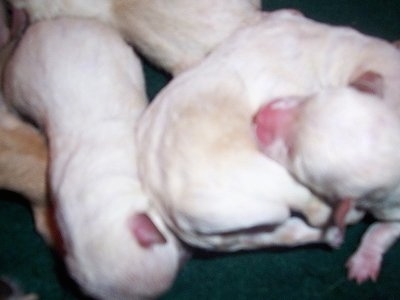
(363, 266)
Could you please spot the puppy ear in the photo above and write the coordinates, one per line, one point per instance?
(275, 119)
(369, 82)
(145, 232)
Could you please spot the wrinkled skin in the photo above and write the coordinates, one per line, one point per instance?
(115, 245)
(339, 132)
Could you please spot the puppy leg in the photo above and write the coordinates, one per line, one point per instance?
(241, 226)
(365, 263)
(290, 233)
(23, 163)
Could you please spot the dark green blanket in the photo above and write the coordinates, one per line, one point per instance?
(304, 273)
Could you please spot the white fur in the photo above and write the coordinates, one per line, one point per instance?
(174, 34)
(344, 142)
(345, 145)
(199, 161)
(162, 30)
(83, 86)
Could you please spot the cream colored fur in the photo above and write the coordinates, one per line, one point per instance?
(23, 152)
(174, 42)
(174, 34)
(199, 161)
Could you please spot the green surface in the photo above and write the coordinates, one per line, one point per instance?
(302, 273)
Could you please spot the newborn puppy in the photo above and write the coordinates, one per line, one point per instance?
(336, 127)
(198, 160)
(174, 34)
(174, 42)
(83, 86)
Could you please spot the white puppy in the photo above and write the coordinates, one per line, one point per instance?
(83, 86)
(335, 124)
(174, 34)
(199, 161)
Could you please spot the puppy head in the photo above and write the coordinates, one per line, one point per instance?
(122, 254)
(341, 142)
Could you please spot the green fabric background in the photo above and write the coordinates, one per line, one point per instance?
(303, 273)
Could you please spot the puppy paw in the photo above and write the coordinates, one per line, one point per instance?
(364, 265)
(334, 237)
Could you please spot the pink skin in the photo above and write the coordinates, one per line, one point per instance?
(340, 213)
(365, 263)
(145, 232)
(275, 122)
(369, 82)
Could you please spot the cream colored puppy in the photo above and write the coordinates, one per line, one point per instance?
(23, 162)
(83, 86)
(199, 161)
(334, 123)
(174, 34)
